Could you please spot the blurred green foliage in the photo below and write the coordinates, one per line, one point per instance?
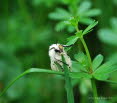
(28, 27)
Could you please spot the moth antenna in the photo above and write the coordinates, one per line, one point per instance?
(67, 45)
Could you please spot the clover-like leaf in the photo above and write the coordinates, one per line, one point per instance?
(85, 6)
(72, 40)
(86, 20)
(60, 26)
(60, 14)
(82, 59)
(92, 12)
(77, 75)
(108, 36)
(99, 76)
(104, 70)
(77, 67)
(107, 67)
(97, 61)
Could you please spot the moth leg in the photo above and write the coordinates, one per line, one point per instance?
(62, 62)
(65, 64)
(54, 66)
(59, 66)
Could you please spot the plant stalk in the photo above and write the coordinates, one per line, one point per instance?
(94, 91)
(90, 69)
(90, 62)
(87, 53)
(32, 70)
(68, 85)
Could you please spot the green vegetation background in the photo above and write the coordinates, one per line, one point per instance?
(28, 27)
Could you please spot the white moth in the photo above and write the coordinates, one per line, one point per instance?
(55, 52)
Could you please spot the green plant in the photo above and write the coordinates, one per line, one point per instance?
(79, 8)
(109, 37)
(25, 27)
(93, 70)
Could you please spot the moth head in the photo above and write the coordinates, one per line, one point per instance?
(58, 48)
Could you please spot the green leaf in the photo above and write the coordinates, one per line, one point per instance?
(107, 70)
(82, 59)
(84, 6)
(107, 67)
(60, 14)
(86, 20)
(88, 29)
(108, 81)
(70, 29)
(115, 2)
(97, 61)
(92, 12)
(35, 70)
(68, 85)
(60, 26)
(71, 40)
(108, 36)
(67, 22)
(104, 70)
(77, 75)
(114, 24)
(77, 67)
(99, 76)
(32, 70)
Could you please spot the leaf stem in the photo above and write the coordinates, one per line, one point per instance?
(94, 91)
(68, 85)
(11, 83)
(90, 69)
(87, 53)
(32, 70)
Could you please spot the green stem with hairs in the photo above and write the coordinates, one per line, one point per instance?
(87, 53)
(86, 50)
(90, 69)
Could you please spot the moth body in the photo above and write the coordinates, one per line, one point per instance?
(55, 52)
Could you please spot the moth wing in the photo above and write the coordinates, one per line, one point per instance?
(59, 65)
(68, 61)
(56, 66)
